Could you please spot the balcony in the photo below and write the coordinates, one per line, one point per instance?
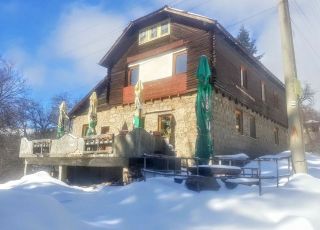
(98, 150)
(67, 146)
(169, 86)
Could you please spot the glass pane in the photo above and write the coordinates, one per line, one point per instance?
(181, 63)
(142, 36)
(153, 32)
(134, 76)
(164, 28)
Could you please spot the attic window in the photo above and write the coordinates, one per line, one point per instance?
(153, 32)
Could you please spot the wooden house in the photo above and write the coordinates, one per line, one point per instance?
(162, 50)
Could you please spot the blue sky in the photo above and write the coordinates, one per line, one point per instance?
(56, 45)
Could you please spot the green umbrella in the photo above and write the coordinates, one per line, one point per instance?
(204, 143)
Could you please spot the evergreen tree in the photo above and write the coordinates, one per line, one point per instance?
(248, 43)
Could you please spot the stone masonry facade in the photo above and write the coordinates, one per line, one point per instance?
(181, 108)
(226, 138)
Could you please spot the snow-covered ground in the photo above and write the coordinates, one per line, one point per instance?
(39, 201)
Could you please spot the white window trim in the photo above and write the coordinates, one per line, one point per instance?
(263, 91)
(159, 35)
(146, 60)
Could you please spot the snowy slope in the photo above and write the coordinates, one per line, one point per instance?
(38, 201)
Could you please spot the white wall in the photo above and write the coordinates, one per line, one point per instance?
(156, 67)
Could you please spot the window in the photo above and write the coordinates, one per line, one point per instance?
(239, 121)
(252, 127)
(84, 130)
(105, 129)
(180, 62)
(153, 32)
(263, 91)
(276, 100)
(276, 135)
(164, 125)
(143, 36)
(164, 28)
(133, 75)
(243, 78)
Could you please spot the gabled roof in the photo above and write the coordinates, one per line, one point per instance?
(205, 22)
(85, 98)
(122, 43)
(166, 10)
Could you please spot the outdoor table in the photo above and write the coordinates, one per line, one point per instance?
(239, 159)
(215, 170)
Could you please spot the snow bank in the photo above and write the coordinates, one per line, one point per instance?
(40, 202)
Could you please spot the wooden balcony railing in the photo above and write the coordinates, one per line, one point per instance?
(169, 86)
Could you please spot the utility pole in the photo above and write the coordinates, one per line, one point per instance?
(291, 82)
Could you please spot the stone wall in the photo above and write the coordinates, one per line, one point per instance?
(182, 108)
(228, 141)
(226, 138)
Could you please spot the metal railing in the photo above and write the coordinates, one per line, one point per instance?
(182, 170)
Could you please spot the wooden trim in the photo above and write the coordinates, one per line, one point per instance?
(174, 62)
(130, 72)
(239, 113)
(156, 51)
(85, 127)
(161, 88)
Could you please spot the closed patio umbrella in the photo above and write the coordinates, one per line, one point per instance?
(204, 143)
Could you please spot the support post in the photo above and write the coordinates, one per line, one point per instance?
(125, 175)
(62, 172)
(25, 171)
(290, 76)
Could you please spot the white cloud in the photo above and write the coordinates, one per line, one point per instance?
(83, 35)
(34, 73)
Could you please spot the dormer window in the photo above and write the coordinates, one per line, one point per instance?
(164, 28)
(154, 32)
(142, 36)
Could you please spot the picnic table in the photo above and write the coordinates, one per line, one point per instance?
(215, 170)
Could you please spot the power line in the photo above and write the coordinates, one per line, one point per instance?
(252, 16)
(306, 41)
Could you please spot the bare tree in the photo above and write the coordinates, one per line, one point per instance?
(308, 115)
(39, 120)
(13, 97)
(43, 120)
(13, 100)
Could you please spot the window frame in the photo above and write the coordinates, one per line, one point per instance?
(276, 100)
(174, 63)
(156, 31)
(103, 128)
(243, 77)
(84, 130)
(130, 68)
(253, 127)
(158, 27)
(146, 36)
(263, 91)
(160, 116)
(240, 128)
(276, 136)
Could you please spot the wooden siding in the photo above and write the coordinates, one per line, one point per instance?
(170, 86)
(197, 43)
(228, 64)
